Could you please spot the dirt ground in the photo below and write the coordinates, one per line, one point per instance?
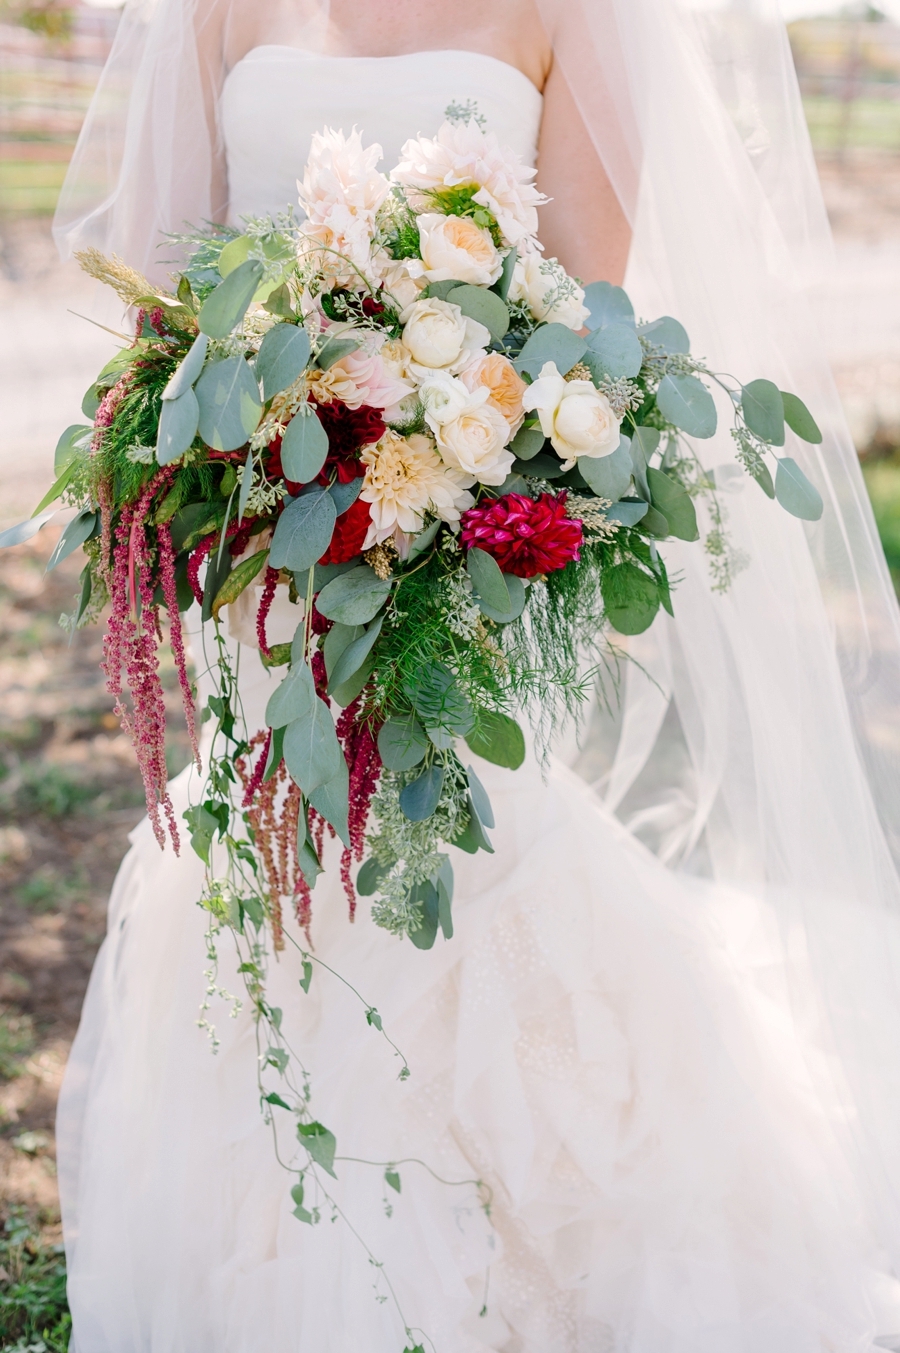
(69, 795)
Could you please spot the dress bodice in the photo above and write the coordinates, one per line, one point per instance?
(276, 97)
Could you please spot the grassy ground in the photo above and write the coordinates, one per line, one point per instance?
(69, 795)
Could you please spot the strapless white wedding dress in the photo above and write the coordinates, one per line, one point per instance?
(608, 1044)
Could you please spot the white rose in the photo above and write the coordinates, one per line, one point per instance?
(444, 397)
(455, 247)
(575, 416)
(438, 334)
(548, 291)
(474, 442)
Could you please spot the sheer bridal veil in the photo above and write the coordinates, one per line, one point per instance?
(757, 744)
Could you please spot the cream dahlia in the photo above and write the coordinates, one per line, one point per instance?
(405, 478)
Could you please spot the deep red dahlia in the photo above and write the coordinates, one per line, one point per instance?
(524, 535)
(348, 430)
(349, 533)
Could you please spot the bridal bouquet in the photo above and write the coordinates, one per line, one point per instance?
(456, 460)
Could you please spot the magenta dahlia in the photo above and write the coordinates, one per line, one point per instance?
(526, 536)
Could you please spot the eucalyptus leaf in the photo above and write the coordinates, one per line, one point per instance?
(443, 882)
(308, 862)
(687, 403)
(293, 699)
(644, 445)
(441, 738)
(420, 797)
(675, 504)
(57, 488)
(439, 291)
(246, 485)
(331, 800)
(629, 511)
(370, 875)
(334, 349)
(498, 739)
(655, 523)
(763, 477)
(795, 493)
(24, 530)
(283, 354)
(402, 742)
(473, 837)
(608, 476)
(224, 308)
(76, 533)
(189, 369)
(617, 349)
(540, 467)
(338, 638)
(527, 443)
(354, 655)
(304, 447)
(354, 598)
(69, 444)
(550, 343)
(424, 896)
(345, 495)
(485, 307)
(347, 692)
(630, 598)
(423, 540)
(303, 532)
(517, 598)
(763, 409)
(799, 419)
(504, 282)
(312, 752)
(235, 252)
(666, 333)
(607, 305)
(480, 801)
(275, 754)
(487, 579)
(178, 422)
(230, 407)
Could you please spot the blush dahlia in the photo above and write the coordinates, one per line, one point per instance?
(524, 535)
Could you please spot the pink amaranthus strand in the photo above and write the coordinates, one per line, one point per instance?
(131, 644)
(265, 606)
(359, 738)
(194, 565)
(259, 771)
(176, 633)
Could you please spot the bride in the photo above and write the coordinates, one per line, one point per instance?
(666, 1035)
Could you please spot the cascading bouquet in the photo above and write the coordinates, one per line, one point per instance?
(458, 463)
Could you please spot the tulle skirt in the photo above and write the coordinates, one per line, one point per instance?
(609, 1046)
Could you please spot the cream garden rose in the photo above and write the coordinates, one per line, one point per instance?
(474, 441)
(439, 336)
(576, 417)
(405, 478)
(503, 383)
(548, 291)
(455, 247)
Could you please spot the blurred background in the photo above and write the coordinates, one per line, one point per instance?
(69, 790)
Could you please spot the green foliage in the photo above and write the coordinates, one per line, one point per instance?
(34, 1313)
(460, 201)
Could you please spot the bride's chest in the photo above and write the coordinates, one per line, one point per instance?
(276, 97)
